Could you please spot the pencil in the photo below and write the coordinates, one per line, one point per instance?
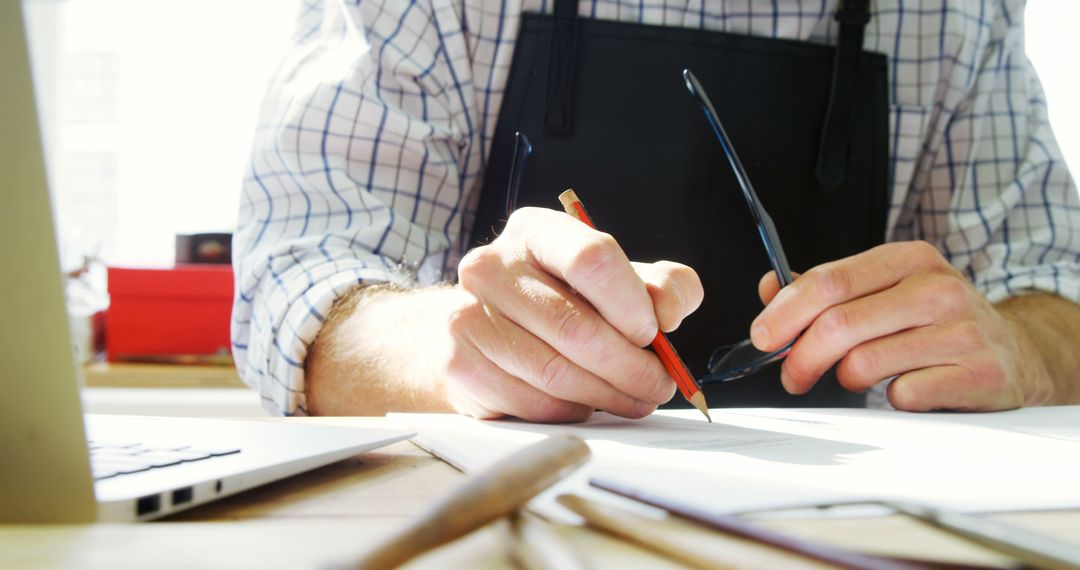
(661, 345)
(487, 496)
(536, 544)
(730, 525)
(1032, 549)
(661, 536)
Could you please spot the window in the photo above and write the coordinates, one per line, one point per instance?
(148, 108)
(1052, 45)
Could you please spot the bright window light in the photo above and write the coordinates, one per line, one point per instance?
(1053, 46)
(148, 109)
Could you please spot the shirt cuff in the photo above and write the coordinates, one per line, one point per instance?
(283, 327)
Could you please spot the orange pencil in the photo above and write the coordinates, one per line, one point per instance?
(674, 365)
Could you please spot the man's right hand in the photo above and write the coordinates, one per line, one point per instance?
(547, 324)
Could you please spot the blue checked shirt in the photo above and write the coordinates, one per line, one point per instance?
(375, 132)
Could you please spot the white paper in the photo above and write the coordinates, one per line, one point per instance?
(764, 458)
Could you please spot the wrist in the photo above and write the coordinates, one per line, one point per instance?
(373, 354)
(1034, 376)
(1032, 363)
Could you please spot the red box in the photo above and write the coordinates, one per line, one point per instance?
(168, 312)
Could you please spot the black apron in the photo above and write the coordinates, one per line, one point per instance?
(608, 115)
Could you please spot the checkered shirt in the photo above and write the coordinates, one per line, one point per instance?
(376, 127)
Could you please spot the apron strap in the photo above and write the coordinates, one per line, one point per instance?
(853, 16)
(558, 107)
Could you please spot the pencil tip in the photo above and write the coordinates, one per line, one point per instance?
(698, 400)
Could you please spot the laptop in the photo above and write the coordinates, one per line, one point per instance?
(131, 468)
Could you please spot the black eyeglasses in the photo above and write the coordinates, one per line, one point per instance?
(741, 359)
(522, 150)
(732, 361)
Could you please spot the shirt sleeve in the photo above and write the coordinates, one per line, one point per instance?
(996, 197)
(358, 174)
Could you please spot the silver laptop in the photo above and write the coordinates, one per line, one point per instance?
(131, 468)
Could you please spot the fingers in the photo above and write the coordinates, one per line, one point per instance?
(541, 305)
(479, 388)
(923, 347)
(518, 353)
(484, 391)
(591, 262)
(899, 310)
(840, 329)
(675, 289)
(795, 307)
(953, 387)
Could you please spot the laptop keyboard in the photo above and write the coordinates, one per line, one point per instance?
(112, 459)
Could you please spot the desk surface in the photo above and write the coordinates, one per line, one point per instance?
(326, 516)
(145, 375)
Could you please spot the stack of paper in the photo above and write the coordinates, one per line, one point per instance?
(761, 458)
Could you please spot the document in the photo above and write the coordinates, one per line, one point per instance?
(760, 458)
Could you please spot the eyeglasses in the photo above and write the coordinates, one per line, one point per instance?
(741, 359)
(522, 150)
(733, 361)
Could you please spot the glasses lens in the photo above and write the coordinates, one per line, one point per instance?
(741, 359)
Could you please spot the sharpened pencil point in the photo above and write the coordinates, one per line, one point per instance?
(698, 400)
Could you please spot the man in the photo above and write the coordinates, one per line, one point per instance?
(370, 162)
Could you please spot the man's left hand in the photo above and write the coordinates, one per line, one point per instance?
(900, 310)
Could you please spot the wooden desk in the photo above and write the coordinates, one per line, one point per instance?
(140, 375)
(325, 516)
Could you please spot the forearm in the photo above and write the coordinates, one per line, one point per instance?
(371, 356)
(1048, 330)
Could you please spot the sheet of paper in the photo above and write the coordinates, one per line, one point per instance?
(762, 458)
(1056, 422)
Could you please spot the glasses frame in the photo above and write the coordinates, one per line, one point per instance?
(742, 359)
(522, 151)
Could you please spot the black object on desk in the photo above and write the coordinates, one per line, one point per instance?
(204, 248)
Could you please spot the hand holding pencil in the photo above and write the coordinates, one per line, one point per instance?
(664, 350)
(553, 323)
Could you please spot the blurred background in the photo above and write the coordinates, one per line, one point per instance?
(149, 107)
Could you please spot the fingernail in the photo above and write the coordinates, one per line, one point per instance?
(674, 326)
(676, 292)
(643, 409)
(759, 334)
(650, 331)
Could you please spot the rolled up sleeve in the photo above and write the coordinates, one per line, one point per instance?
(998, 198)
(356, 176)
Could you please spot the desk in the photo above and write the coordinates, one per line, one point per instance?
(325, 516)
(143, 375)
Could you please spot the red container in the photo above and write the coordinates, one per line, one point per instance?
(157, 313)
